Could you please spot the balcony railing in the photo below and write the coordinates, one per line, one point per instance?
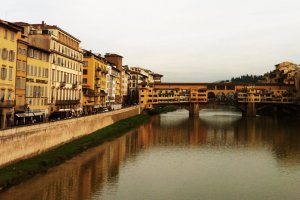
(74, 85)
(67, 102)
(97, 85)
(7, 103)
(62, 84)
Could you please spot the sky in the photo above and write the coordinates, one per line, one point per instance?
(185, 40)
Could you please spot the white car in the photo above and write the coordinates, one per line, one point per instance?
(105, 110)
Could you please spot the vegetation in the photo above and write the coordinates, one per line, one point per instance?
(159, 110)
(247, 79)
(25, 169)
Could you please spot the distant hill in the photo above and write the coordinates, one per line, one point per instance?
(247, 79)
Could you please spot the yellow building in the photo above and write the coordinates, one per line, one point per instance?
(94, 82)
(9, 33)
(37, 82)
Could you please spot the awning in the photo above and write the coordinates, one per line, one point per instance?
(21, 115)
(24, 114)
(68, 109)
(38, 113)
(78, 109)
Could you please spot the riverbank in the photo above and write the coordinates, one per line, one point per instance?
(159, 110)
(25, 169)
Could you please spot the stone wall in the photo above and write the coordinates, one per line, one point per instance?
(24, 142)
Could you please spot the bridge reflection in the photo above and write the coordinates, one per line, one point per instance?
(99, 168)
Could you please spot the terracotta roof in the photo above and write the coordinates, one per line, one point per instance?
(46, 26)
(10, 26)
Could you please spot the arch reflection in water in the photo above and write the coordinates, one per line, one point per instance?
(243, 152)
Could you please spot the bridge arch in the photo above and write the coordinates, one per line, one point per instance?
(220, 96)
(211, 96)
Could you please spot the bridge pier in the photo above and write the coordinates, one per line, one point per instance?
(250, 110)
(194, 110)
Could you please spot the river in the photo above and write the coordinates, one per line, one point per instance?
(217, 156)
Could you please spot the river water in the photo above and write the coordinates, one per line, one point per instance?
(217, 156)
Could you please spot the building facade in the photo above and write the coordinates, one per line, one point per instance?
(117, 61)
(66, 60)
(113, 86)
(37, 83)
(21, 68)
(284, 73)
(94, 82)
(125, 78)
(9, 34)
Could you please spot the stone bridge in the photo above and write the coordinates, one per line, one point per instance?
(248, 98)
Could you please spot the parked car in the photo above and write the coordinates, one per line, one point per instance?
(57, 115)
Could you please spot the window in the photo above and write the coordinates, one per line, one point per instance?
(30, 53)
(4, 54)
(31, 91)
(34, 91)
(23, 83)
(40, 72)
(12, 36)
(3, 72)
(24, 66)
(28, 70)
(53, 74)
(10, 74)
(85, 63)
(45, 91)
(85, 71)
(18, 82)
(5, 34)
(18, 65)
(2, 95)
(27, 90)
(57, 76)
(11, 56)
(84, 80)
(19, 100)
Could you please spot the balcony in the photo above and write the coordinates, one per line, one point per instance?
(7, 104)
(67, 102)
(62, 84)
(97, 85)
(97, 77)
(88, 92)
(74, 85)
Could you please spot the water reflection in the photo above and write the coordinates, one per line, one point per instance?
(95, 174)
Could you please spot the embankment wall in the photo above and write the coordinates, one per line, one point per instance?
(24, 142)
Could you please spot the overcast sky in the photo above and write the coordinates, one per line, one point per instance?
(186, 40)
